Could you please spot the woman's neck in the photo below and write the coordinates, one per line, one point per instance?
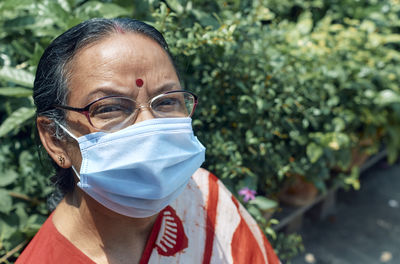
(103, 235)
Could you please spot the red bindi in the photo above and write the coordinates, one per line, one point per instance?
(139, 82)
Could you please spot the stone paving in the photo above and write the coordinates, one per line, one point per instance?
(365, 227)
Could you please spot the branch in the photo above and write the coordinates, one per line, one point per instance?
(34, 201)
(13, 251)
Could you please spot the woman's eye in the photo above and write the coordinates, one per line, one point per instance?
(107, 109)
(110, 111)
(169, 101)
(166, 105)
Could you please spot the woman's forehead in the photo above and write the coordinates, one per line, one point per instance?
(123, 50)
(119, 61)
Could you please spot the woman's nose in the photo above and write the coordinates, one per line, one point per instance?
(144, 113)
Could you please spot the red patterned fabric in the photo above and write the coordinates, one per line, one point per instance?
(205, 224)
(49, 246)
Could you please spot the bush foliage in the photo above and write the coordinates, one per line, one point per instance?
(285, 87)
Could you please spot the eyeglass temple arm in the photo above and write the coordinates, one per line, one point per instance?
(66, 107)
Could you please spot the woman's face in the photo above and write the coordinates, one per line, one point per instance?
(111, 67)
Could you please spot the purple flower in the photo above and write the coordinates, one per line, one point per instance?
(247, 194)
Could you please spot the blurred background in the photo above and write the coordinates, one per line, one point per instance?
(296, 100)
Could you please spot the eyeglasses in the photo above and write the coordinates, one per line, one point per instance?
(113, 113)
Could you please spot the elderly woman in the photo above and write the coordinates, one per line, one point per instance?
(113, 117)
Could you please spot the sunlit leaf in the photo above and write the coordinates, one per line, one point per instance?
(5, 201)
(7, 229)
(14, 4)
(264, 203)
(314, 152)
(387, 97)
(15, 91)
(8, 177)
(305, 23)
(17, 76)
(175, 5)
(98, 9)
(16, 119)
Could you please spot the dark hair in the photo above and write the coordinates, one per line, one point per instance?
(51, 81)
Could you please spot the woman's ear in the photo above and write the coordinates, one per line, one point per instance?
(55, 147)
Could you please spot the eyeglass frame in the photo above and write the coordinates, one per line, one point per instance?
(85, 110)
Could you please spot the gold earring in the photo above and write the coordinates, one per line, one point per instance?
(61, 160)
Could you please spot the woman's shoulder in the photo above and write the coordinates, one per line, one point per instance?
(208, 183)
(217, 225)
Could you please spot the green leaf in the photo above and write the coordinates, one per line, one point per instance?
(386, 97)
(15, 239)
(205, 19)
(15, 120)
(338, 124)
(19, 23)
(392, 153)
(59, 14)
(305, 23)
(15, 91)
(314, 152)
(5, 202)
(391, 38)
(21, 213)
(269, 231)
(8, 177)
(64, 4)
(254, 211)
(13, 4)
(6, 229)
(175, 5)
(264, 203)
(17, 76)
(353, 179)
(33, 224)
(36, 220)
(106, 10)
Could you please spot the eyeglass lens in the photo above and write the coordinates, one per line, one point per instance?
(115, 113)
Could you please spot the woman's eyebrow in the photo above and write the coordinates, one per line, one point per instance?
(166, 87)
(105, 91)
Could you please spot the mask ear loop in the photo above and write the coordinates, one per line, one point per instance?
(66, 130)
(76, 173)
(74, 137)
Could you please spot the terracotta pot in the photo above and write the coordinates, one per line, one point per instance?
(358, 158)
(297, 191)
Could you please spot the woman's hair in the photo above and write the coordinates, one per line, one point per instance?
(52, 75)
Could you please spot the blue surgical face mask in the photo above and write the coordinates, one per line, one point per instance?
(140, 169)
